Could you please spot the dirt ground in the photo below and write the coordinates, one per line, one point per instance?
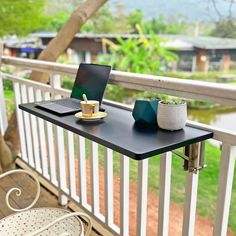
(203, 226)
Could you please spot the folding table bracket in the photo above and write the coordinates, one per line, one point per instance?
(193, 156)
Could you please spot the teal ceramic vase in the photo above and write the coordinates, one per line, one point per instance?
(145, 111)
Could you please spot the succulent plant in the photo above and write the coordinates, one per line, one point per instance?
(173, 100)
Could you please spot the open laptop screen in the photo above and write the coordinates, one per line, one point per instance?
(91, 79)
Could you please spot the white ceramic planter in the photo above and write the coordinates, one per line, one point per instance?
(171, 116)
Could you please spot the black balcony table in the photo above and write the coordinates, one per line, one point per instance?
(118, 131)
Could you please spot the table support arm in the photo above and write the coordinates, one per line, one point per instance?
(194, 156)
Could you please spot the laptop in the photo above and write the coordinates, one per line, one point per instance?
(91, 79)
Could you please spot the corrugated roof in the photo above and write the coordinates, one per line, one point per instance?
(180, 41)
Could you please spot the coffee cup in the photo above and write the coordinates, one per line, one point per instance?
(89, 107)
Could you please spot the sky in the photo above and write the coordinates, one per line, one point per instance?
(193, 10)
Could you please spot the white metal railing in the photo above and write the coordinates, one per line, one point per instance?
(60, 156)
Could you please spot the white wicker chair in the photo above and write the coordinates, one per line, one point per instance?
(40, 221)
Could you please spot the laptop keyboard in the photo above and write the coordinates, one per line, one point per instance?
(68, 103)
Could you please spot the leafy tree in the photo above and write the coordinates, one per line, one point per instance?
(161, 26)
(55, 22)
(106, 21)
(225, 25)
(9, 142)
(135, 18)
(145, 55)
(141, 55)
(224, 28)
(21, 17)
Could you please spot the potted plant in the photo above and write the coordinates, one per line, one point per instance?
(172, 114)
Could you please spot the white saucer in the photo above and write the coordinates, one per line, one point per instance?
(98, 116)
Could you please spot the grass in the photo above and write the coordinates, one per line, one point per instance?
(9, 101)
(210, 76)
(208, 179)
(232, 83)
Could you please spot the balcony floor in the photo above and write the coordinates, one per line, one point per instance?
(26, 184)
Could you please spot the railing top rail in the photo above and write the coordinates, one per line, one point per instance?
(199, 90)
(219, 134)
(39, 65)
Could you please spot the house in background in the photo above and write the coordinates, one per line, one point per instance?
(198, 53)
(26, 47)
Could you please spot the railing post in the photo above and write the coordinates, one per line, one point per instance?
(3, 115)
(124, 195)
(94, 165)
(191, 187)
(108, 183)
(164, 195)
(50, 143)
(55, 82)
(20, 121)
(88, 57)
(82, 171)
(142, 197)
(41, 136)
(225, 183)
(71, 163)
(34, 132)
(28, 127)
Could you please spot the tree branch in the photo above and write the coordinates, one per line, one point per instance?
(64, 37)
(230, 9)
(9, 144)
(216, 9)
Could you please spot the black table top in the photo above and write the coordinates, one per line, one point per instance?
(119, 132)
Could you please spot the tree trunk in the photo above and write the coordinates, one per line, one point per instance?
(7, 157)
(63, 39)
(9, 144)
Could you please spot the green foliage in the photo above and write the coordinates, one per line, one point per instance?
(173, 100)
(135, 18)
(225, 29)
(213, 76)
(21, 17)
(56, 21)
(140, 55)
(7, 85)
(161, 26)
(104, 21)
(117, 21)
(206, 199)
(67, 83)
(9, 101)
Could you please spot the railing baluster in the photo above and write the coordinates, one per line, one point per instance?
(71, 163)
(27, 126)
(3, 114)
(51, 148)
(108, 182)
(94, 177)
(55, 82)
(34, 142)
(41, 131)
(61, 165)
(20, 122)
(34, 132)
(142, 197)
(124, 195)
(164, 194)
(191, 187)
(82, 171)
(226, 176)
